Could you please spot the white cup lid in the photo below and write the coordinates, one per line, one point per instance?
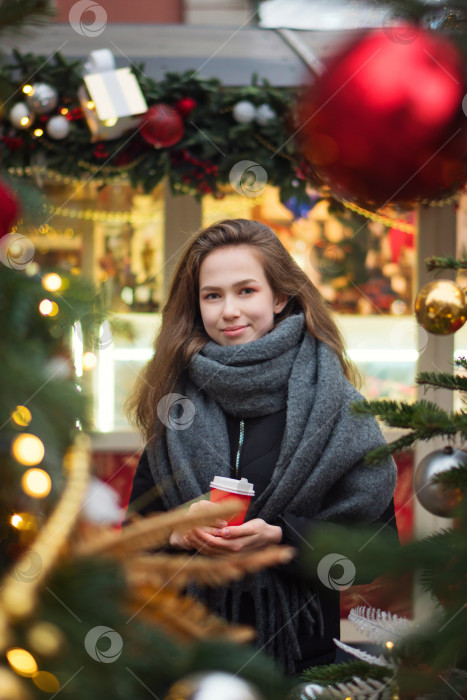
(240, 486)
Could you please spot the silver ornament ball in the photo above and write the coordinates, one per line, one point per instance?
(213, 686)
(435, 497)
(244, 112)
(42, 99)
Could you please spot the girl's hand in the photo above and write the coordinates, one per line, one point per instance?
(179, 538)
(254, 534)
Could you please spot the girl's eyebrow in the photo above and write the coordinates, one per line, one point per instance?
(236, 284)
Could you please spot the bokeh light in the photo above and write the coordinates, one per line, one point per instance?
(21, 416)
(52, 282)
(36, 483)
(89, 361)
(22, 661)
(28, 449)
(46, 681)
(45, 307)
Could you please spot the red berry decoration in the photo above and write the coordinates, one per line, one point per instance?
(161, 126)
(9, 209)
(385, 123)
(186, 105)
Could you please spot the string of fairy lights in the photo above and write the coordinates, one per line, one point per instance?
(26, 448)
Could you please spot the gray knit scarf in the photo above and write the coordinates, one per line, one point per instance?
(319, 473)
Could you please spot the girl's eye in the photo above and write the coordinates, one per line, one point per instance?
(214, 294)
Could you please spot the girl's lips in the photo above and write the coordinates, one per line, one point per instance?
(234, 331)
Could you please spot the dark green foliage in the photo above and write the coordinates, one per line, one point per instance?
(14, 14)
(345, 672)
(200, 163)
(424, 419)
(442, 380)
(437, 263)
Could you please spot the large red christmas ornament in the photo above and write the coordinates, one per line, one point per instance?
(385, 123)
(9, 209)
(161, 126)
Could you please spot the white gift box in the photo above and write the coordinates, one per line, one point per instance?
(111, 101)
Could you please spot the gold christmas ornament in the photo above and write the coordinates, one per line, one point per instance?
(441, 307)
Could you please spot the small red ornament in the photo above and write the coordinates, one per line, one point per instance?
(161, 126)
(186, 105)
(9, 209)
(385, 123)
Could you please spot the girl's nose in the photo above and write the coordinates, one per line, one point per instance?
(230, 307)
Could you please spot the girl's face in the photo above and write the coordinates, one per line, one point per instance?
(236, 301)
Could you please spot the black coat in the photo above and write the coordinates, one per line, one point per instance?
(257, 457)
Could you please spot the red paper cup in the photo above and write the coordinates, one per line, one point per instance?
(236, 490)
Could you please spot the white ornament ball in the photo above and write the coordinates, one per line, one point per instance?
(213, 686)
(265, 114)
(58, 127)
(102, 503)
(18, 115)
(435, 497)
(42, 99)
(244, 112)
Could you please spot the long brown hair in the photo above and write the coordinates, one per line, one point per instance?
(182, 333)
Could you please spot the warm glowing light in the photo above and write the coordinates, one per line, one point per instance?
(27, 89)
(21, 416)
(110, 122)
(36, 483)
(24, 522)
(28, 449)
(46, 681)
(16, 520)
(89, 361)
(22, 661)
(52, 282)
(24, 121)
(389, 645)
(45, 307)
(64, 110)
(90, 105)
(55, 309)
(38, 132)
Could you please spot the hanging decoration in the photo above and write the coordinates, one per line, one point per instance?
(441, 307)
(41, 98)
(110, 98)
(435, 497)
(9, 209)
(193, 131)
(162, 126)
(58, 127)
(384, 123)
(244, 112)
(20, 116)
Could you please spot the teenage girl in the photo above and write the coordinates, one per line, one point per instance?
(249, 379)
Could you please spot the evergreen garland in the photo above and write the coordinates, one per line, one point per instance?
(200, 163)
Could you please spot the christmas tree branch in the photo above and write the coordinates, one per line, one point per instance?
(425, 419)
(442, 380)
(438, 263)
(461, 362)
(454, 478)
